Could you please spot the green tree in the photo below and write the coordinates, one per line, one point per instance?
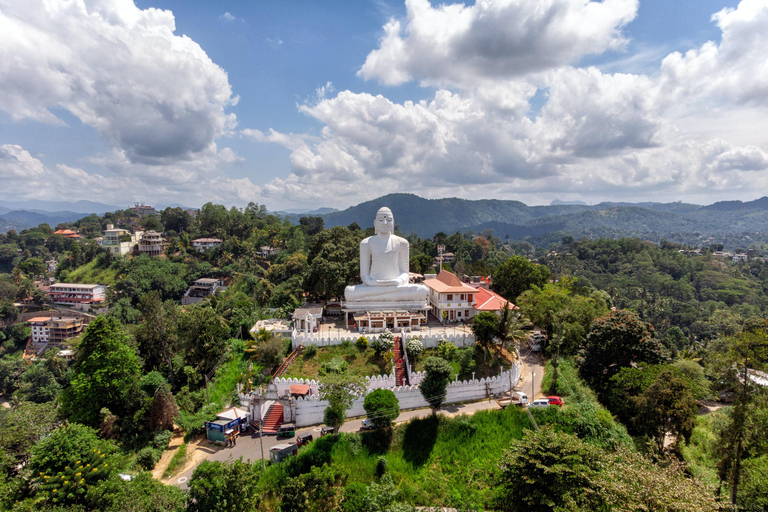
(157, 334)
(548, 470)
(616, 341)
(333, 262)
(382, 407)
(70, 461)
(340, 390)
(141, 494)
(318, 490)
(175, 219)
(666, 407)
(517, 275)
(21, 427)
(203, 335)
(435, 382)
(224, 486)
(39, 384)
(106, 373)
(485, 327)
(747, 352)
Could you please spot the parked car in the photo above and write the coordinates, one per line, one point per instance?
(304, 440)
(326, 430)
(368, 425)
(287, 430)
(555, 400)
(540, 402)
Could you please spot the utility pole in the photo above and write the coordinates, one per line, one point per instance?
(261, 431)
(533, 384)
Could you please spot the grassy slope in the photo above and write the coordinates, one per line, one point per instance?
(360, 363)
(89, 274)
(451, 461)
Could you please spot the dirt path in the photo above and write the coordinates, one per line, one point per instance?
(197, 450)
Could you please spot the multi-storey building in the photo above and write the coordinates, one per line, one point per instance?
(152, 243)
(448, 294)
(143, 210)
(120, 241)
(79, 296)
(53, 332)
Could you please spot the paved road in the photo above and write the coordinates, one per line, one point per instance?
(248, 446)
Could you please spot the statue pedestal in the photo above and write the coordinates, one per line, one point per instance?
(384, 305)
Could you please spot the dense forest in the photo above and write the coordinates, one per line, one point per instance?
(639, 336)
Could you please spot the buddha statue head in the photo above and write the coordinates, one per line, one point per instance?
(384, 221)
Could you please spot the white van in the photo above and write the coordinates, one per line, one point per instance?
(540, 402)
(519, 398)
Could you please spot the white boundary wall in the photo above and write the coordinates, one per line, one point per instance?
(429, 340)
(282, 384)
(310, 411)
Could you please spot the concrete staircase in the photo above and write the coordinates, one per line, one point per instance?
(288, 360)
(399, 364)
(274, 419)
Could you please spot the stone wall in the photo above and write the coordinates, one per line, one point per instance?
(310, 411)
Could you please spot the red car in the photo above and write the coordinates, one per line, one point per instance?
(555, 400)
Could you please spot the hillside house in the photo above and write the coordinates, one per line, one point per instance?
(448, 293)
(487, 300)
(152, 243)
(203, 244)
(201, 289)
(120, 241)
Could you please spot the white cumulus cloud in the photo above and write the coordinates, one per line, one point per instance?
(117, 68)
(496, 39)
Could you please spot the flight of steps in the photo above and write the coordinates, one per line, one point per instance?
(399, 364)
(288, 360)
(274, 419)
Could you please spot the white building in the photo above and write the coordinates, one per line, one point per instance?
(53, 332)
(79, 296)
(448, 293)
(120, 241)
(203, 244)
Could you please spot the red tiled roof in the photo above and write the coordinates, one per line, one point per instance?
(298, 389)
(448, 282)
(486, 300)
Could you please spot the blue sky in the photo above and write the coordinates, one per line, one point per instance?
(299, 104)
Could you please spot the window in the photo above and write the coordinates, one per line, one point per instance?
(449, 296)
(466, 312)
(459, 314)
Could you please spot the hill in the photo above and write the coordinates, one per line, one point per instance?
(426, 217)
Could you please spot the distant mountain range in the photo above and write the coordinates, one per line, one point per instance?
(426, 217)
(683, 222)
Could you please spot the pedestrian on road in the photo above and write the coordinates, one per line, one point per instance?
(234, 440)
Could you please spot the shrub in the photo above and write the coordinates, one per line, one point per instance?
(382, 344)
(446, 350)
(362, 343)
(346, 344)
(381, 466)
(381, 406)
(161, 439)
(414, 347)
(310, 351)
(335, 365)
(467, 363)
(148, 457)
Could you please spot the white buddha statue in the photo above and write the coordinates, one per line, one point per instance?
(384, 266)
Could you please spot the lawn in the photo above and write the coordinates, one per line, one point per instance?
(482, 368)
(363, 363)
